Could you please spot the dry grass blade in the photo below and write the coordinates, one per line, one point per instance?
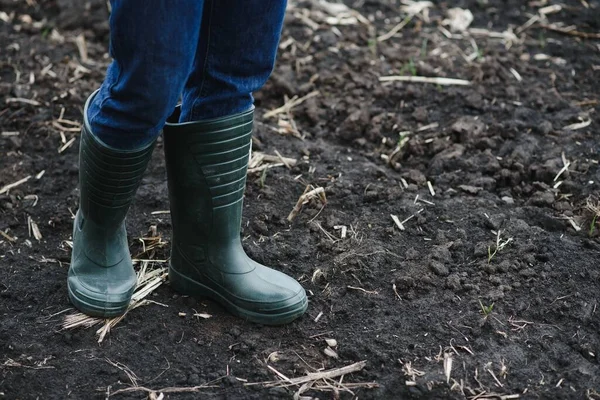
(593, 207)
(7, 237)
(340, 14)
(425, 79)
(293, 102)
(261, 161)
(448, 366)
(571, 32)
(305, 198)
(395, 29)
(148, 281)
(34, 229)
(14, 185)
(130, 374)
(578, 125)
(66, 145)
(22, 100)
(184, 389)
(397, 222)
(314, 376)
(412, 8)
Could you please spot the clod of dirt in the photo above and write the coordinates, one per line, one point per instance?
(481, 249)
(528, 273)
(415, 176)
(505, 266)
(488, 267)
(438, 268)
(260, 227)
(354, 125)
(446, 159)
(495, 221)
(404, 282)
(441, 253)
(542, 199)
(468, 128)
(470, 189)
(547, 171)
(508, 200)
(453, 282)
(420, 114)
(545, 127)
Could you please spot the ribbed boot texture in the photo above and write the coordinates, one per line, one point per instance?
(207, 163)
(101, 276)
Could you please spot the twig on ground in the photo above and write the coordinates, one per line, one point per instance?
(578, 125)
(397, 222)
(189, 389)
(261, 161)
(425, 79)
(22, 100)
(14, 185)
(571, 31)
(66, 145)
(7, 237)
(293, 102)
(314, 376)
(305, 198)
(363, 290)
(33, 229)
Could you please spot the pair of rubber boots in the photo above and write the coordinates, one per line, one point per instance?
(206, 163)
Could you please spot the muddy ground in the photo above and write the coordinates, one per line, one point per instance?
(497, 272)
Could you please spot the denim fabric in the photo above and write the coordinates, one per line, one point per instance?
(211, 53)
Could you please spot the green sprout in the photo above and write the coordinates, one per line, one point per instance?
(263, 178)
(372, 44)
(424, 48)
(486, 310)
(403, 138)
(499, 246)
(409, 67)
(593, 206)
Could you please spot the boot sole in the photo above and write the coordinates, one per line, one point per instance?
(83, 304)
(190, 287)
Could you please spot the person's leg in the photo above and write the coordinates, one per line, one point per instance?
(207, 146)
(153, 45)
(235, 56)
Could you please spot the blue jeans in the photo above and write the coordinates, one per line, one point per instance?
(211, 53)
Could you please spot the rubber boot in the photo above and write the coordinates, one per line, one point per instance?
(207, 163)
(101, 276)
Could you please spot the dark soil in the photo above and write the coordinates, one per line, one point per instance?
(427, 292)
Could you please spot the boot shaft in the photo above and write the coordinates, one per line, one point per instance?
(207, 162)
(108, 177)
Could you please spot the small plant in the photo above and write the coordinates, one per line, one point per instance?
(372, 44)
(409, 67)
(499, 246)
(46, 31)
(423, 53)
(403, 138)
(594, 208)
(486, 310)
(480, 56)
(542, 39)
(263, 178)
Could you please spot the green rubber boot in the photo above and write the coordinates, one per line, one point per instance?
(207, 163)
(101, 276)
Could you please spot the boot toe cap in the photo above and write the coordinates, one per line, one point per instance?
(99, 294)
